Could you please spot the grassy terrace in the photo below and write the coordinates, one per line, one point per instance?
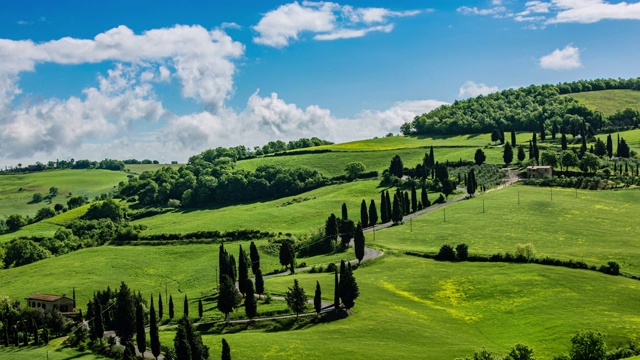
(609, 101)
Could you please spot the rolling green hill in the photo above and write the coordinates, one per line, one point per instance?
(609, 101)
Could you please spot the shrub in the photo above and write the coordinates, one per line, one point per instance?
(462, 252)
(446, 253)
(525, 251)
(331, 268)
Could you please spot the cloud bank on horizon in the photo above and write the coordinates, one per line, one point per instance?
(104, 120)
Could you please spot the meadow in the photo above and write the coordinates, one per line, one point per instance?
(609, 101)
(48, 227)
(632, 137)
(16, 191)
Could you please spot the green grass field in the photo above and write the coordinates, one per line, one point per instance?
(632, 137)
(53, 351)
(298, 218)
(88, 183)
(46, 228)
(595, 227)
(609, 101)
(418, 308)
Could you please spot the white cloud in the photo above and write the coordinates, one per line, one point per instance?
(202, 59)
(591, 11)
(496, 11)
(472, 89)
(565, 59)
(327, 20)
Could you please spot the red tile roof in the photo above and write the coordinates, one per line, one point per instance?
(46, 297)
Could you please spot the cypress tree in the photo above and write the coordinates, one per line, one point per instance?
(414, 198)
(358, 243)
(513, 138)
(181, 343)
(250, 304)
(185, 307)
(5, 334)
(233, 270)
(171, 313)
(200, 309)
(543, 134)
(45, 336)
(16, 337)
(432, 159)
(345, 214)
(563, 141)
(406, 203)
(364, 214)
(373, 213)
(98, 323)
(141, 336)
(396, 167)
(383, 208)
(36, 339)
(609, 146)
(160, 306)
(471, 183)
(583, 147)
(618, 146)
(531, 157)
(336, 291)
(25, 339)
(331, 228)
(507, 155)
(228, 297)
(125, 316)
(388, 203)
(521, 155)
(349, 290)
(317, 298)
(226, 350)
(501, 135)
(396, 216)
(255, 258)
(154, 335)
(223, 263)
(424, 196)
(243, 271)
(259, 283)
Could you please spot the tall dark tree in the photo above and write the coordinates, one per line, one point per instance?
(428, 161)
(447, 187)
(224, 264)
(554, 130)
(154, 335)
(358, 243)
(563, 141)
(495, 135)
(98, 324)
(228, 297)
(471, 182)
(345, 212)
(259, 283)
(188, 342)
(396, 167)
(233, 272)
(141, 335)
(513, 139)
(609, 146)
(507, 155)
(125, 314)
(600, 148)
(296, 298)
(406, 203)
(185, 306)
(583, 146)
(442, 172)
(160, 306)
(414, 198)
(623, 149)
(384, 216)
(396, 215)
(336, 290)
(45, 336)
(502, 139)
(331, 230)
(521, 154)
(243, 271)
(200, 309)
(536, 152)
(317, 298)
(373, 213)
(171, 312)
(181, 344)
(364, 214)
(5, 334)
(479, 157)
(250, 303)
(255, 257)
(347, 230)
(424, 197)
(543, 133)
(287, 255)
(226, 350)
(36, 338)
(349, 290)
(388, 205)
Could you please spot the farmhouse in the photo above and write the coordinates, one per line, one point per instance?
(539, 172)
(49, 302)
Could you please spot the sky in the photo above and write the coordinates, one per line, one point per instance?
(164, 80)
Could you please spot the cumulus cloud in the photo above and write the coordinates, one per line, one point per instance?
(327, 20)
(591, 11)
(565, 59)
(497, 10)
(472, 89)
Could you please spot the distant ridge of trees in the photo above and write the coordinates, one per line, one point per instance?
(532, 108)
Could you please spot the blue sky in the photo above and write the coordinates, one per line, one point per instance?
(166, 80)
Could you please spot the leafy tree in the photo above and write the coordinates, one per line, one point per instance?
(507, 155)
(141, 336)
(259, 283)
(347, 231)
(396, 215)
(521, 352)
(154, 334)
(447, 187)
(255, 258)
(22, 252)
(287, 255)
(349, 290)
(568, 158)
(185, 307)
(331, 229)
(354, 169)
(462, 252)
(495, 135)
(373, 213)
(171, 312)
(125, 314)
(414, 198)
(424, 197)
(590, 162)
(36, 198)
(250, 304)
(200, 309)
(75, 202)
(588, 345)
(296, 298)
(549, 158)
(479, 157)
(226, 350)
(446, 253)
(317, 298)
(554, 130)
(15, 222)
(396, 167)
(228, 297)
(358, 243)
(108, 209)
(53, 192)
(364, 214)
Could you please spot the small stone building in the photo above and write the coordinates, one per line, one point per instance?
(49, 302)
(539, 172)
